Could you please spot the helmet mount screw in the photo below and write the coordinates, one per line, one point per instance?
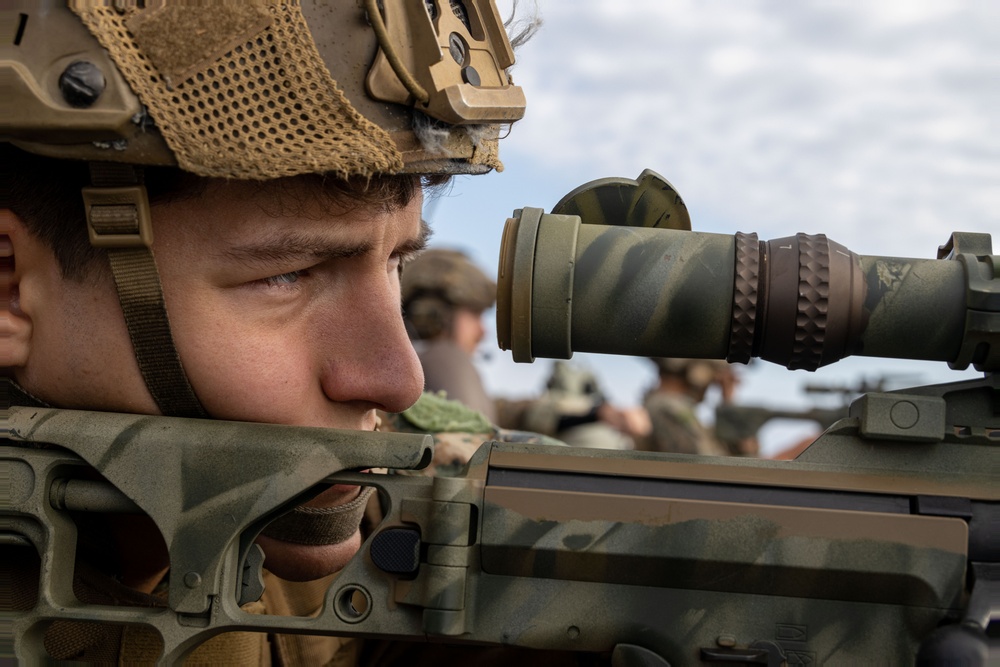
(471, 76)
(81, 83)
(457, 48)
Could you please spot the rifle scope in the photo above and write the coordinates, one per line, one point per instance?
(636, 286)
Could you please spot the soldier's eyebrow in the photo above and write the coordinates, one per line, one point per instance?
(411, 247)
(286, 248)
(291, 249)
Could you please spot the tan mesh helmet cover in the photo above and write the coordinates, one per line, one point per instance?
(239, 90)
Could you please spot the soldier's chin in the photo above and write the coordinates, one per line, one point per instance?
(304, 562)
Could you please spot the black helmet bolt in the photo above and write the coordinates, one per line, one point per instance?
(81, 83)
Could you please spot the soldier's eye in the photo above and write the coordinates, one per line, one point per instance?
(284, 279)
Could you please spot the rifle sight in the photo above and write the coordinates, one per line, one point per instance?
(614, 269)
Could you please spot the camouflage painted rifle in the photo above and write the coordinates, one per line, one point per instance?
(880, 541)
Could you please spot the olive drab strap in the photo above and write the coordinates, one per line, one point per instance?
(118, 220)
(11, 393)
(320, 525)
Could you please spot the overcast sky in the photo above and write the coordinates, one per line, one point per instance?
(875, 123)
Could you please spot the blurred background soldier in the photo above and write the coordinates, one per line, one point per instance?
(574, 409)
(444, 297)
(672, 405)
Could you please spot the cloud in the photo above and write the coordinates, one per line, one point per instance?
(866, 120)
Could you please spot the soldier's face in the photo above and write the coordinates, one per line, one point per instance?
(279, 315)
(467, 329)
(282, 316)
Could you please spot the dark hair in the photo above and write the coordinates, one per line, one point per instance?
(45, 194)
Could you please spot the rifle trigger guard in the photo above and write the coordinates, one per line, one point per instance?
(252, 579)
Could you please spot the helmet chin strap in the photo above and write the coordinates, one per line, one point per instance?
(316, 526)
(118, 219)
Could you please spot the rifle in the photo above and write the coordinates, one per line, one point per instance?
(734, 423)
(878, 544)
(737, 422)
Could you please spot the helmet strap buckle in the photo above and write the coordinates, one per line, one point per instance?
(118, 217)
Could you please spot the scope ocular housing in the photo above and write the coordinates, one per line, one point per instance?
(802, 301)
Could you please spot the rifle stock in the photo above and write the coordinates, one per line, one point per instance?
(854, 553)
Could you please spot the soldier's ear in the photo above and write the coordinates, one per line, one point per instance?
(15, 325)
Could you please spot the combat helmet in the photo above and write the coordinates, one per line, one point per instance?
(437, 282)
(249, 90)
(258, 90)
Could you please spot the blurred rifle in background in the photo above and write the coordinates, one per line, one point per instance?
(736, 423)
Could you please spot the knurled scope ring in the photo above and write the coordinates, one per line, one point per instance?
(745, 292)
(813, 304)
